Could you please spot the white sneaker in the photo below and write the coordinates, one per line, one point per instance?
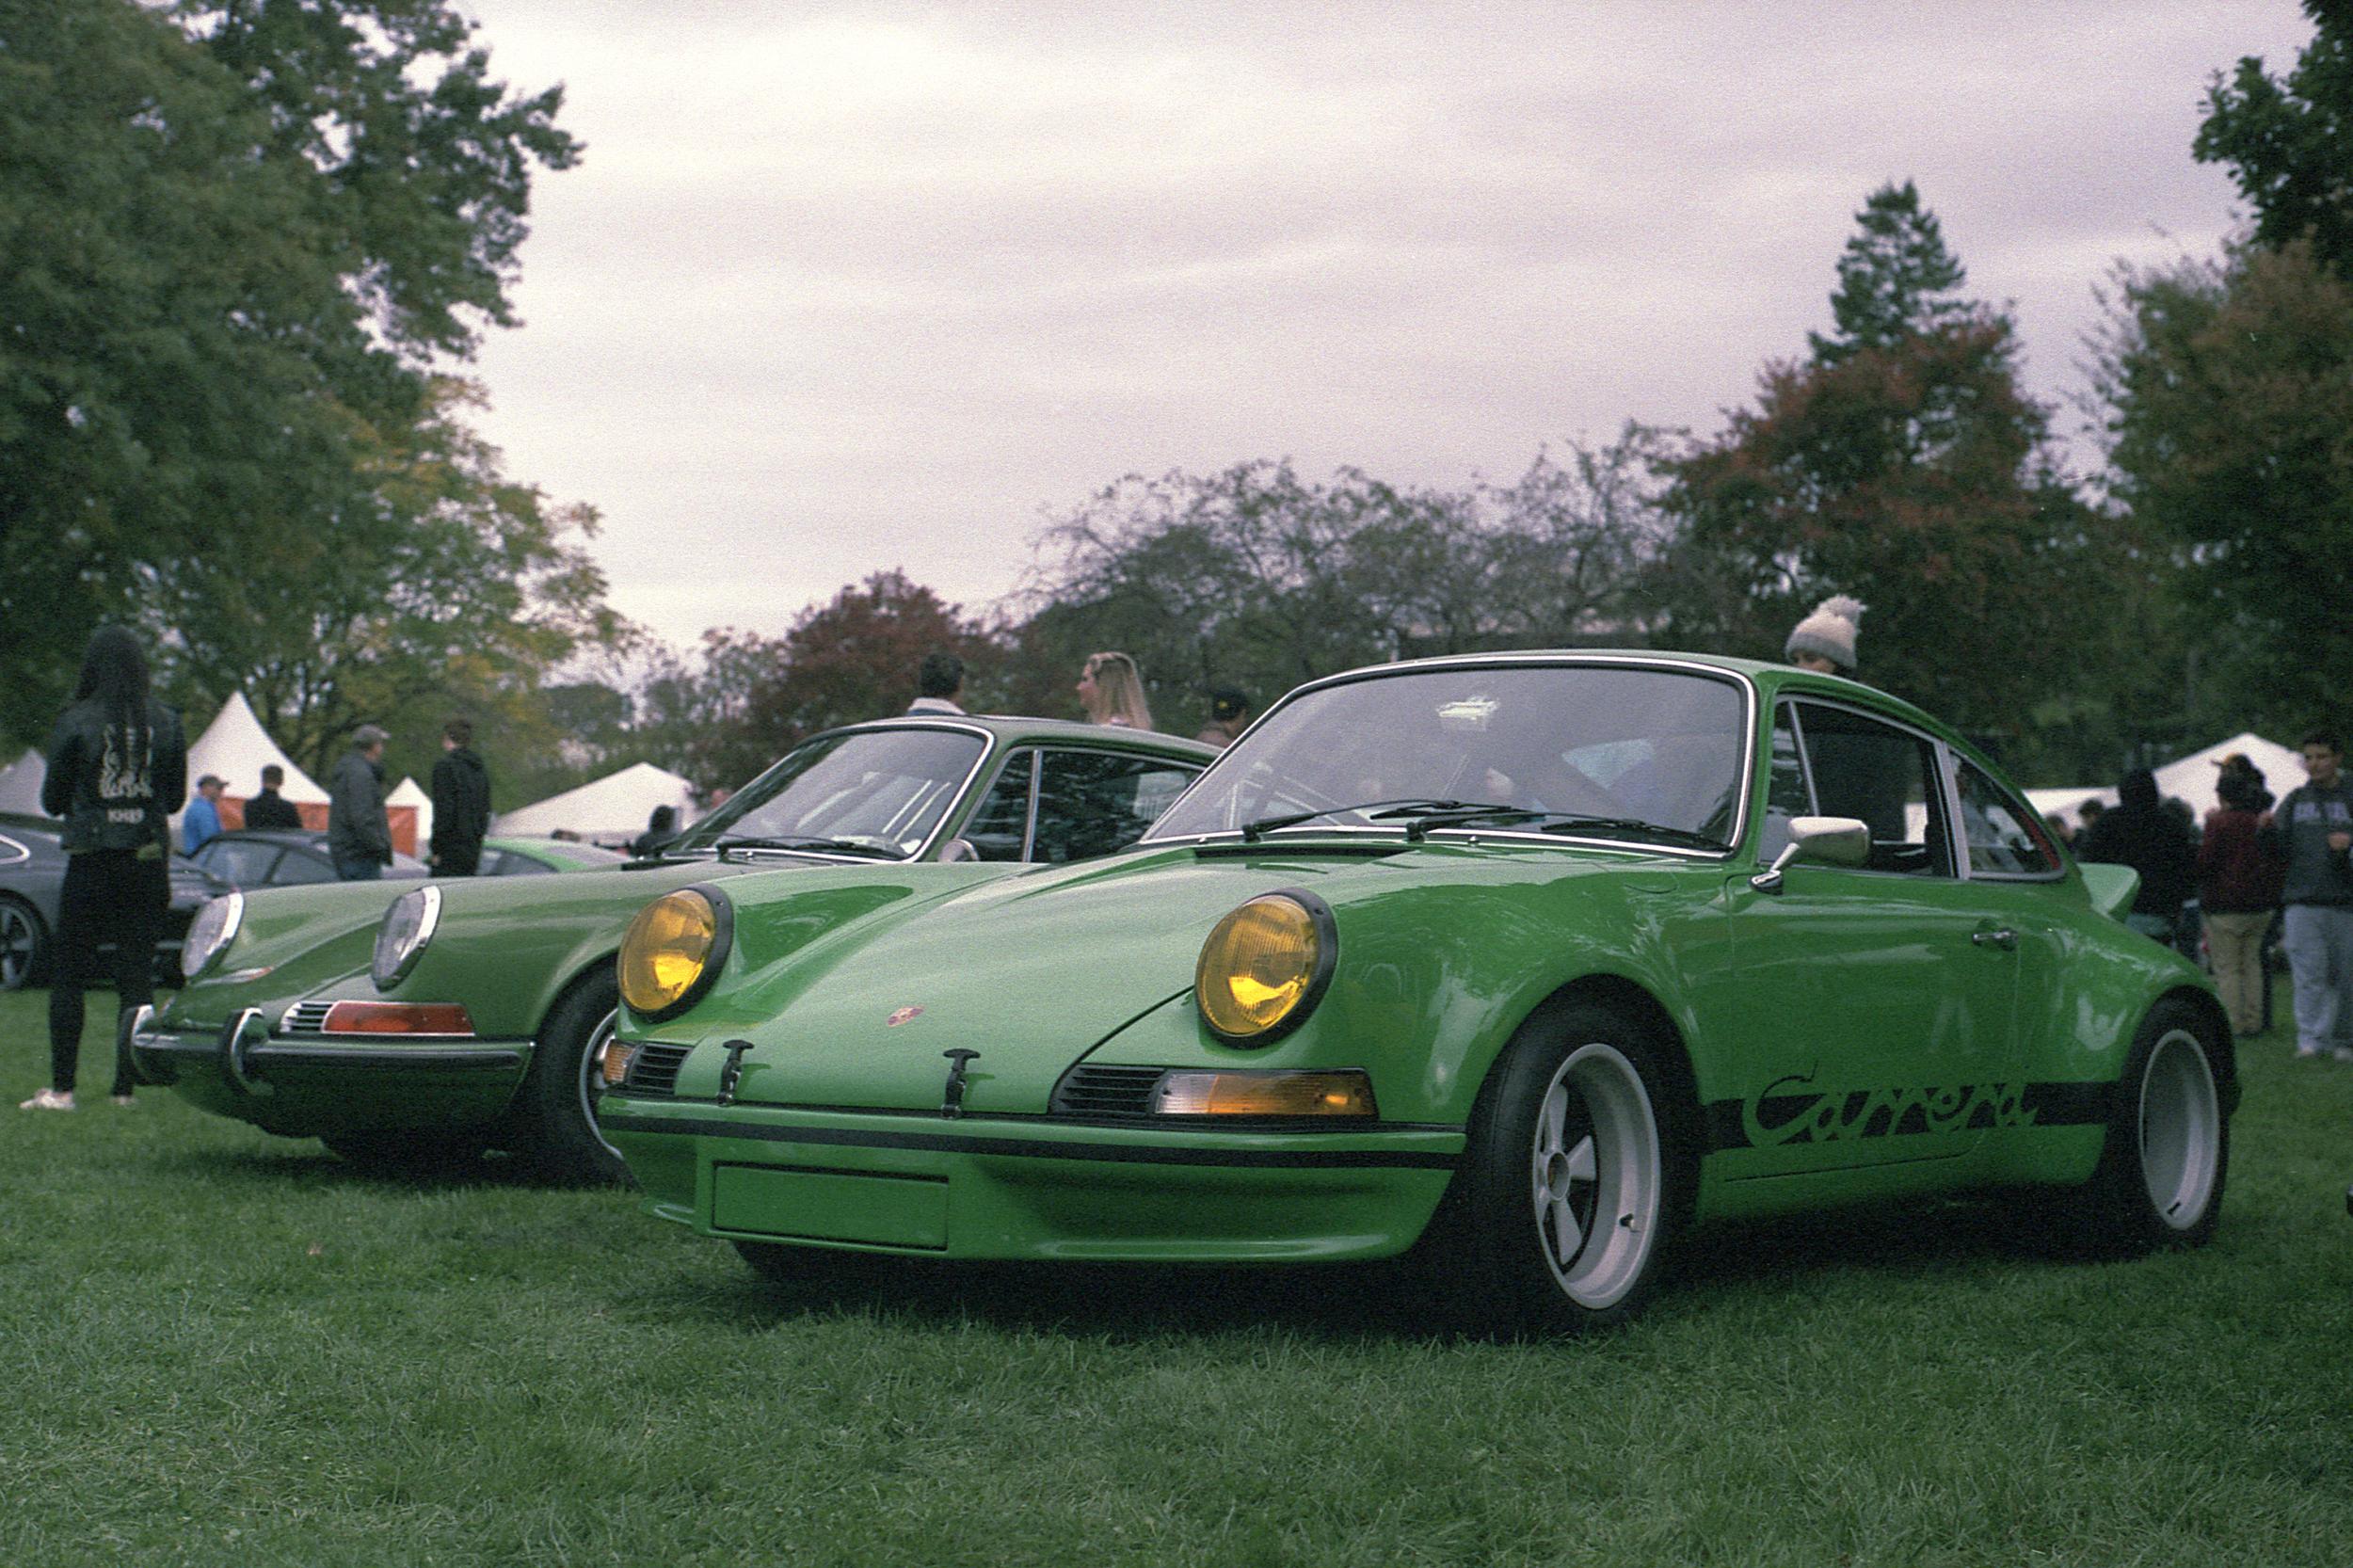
(48, 1099)
(2306, 1050)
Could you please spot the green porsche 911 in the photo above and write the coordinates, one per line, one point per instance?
(1533, 961)
(468, 1014)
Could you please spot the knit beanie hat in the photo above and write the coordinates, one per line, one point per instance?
(1828, 632)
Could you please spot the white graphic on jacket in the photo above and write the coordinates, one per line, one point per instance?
(125, 774)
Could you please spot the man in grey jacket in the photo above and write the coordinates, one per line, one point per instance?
(2312, 829)
(359, 831)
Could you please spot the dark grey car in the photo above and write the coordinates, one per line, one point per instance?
(32, 870)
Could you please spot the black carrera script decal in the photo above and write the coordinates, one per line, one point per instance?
(1782, 1113)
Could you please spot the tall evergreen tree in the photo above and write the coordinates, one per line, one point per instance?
(1896, 279)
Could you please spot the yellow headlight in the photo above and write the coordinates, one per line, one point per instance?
(668, 947)
(1262, 965)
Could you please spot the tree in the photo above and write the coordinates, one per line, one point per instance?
(231, 243)
(2289, 144)
(2229, 388)
(1896, 279)
(856, 658)
(1902, 465)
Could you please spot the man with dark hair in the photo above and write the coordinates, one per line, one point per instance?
(269, 809)
(938, 682)
(2312, 830)
(359, 832)
(200, 821)
(2141, 834)
(1229, 714)
(461, 802)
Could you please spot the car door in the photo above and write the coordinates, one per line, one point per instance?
(1871, 1008)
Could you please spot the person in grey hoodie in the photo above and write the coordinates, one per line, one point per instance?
(2312, 829)
(359, 832)
(461, 802)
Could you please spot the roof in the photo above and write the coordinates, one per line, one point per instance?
(1016, 729)
(19, 783)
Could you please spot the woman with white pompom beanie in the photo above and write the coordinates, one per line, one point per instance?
(1824, 641)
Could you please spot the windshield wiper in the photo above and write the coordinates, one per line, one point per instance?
(837, 846)
(1401, 807)
(1568, 822)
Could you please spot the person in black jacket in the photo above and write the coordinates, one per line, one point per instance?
(461, 802)
(2141, 833)
(118, 765)
(269, 809)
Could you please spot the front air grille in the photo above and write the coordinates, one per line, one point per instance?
(1096, 1089)
(653, 1069)
(306, 1018)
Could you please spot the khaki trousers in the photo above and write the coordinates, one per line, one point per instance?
(2234, 948)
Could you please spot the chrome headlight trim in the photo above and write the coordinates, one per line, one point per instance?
(409, 926)
(210, 934)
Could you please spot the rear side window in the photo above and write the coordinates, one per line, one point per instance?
(298, 867)
(2006, 838)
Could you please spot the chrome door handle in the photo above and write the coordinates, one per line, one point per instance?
(2005, 939)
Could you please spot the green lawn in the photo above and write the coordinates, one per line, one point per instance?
(224, 1348)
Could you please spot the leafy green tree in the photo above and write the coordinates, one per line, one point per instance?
(2229, 388)
(232, 242)
(2289, 144)
(856, 658)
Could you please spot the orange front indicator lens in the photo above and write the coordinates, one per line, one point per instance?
(1338, 1094)
(615, 1064)
(441, 1019)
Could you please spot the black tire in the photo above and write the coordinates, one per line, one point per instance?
(406, 1153)
(2161, 1173)
(23, 945)
(1576, 1178)
(555, 1121)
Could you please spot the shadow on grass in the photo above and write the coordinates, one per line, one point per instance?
(1400, 1299)
(311, 1166)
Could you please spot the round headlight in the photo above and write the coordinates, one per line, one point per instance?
(407, 927)
(673, 951)
(1264, 967)
(210, 934)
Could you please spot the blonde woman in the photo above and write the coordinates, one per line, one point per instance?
(1113, 689)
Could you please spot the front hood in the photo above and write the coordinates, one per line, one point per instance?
(1033, 971)
(290, 940)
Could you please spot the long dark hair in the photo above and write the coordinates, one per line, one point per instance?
(114, 674)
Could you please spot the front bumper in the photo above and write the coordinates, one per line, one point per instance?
(308, 1086)
(1032, 1188)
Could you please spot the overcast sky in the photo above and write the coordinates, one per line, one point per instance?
(840, 289)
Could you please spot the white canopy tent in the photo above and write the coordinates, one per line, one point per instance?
(20, 784)
(616, 807)
(2191, 777)
(411, 793)
(236, 748)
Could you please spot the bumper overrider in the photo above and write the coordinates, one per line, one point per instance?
(277, 1073)
(1031, 1187)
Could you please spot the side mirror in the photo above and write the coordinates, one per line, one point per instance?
(957, 849)
(1831, 840)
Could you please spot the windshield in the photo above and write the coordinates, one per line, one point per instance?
(1609, 749)
(878, 793)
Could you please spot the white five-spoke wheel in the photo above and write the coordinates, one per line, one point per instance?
(1573, 1179)
(1596, 1169)
(2181, 1131)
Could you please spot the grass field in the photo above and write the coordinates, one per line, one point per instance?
(224, 1348)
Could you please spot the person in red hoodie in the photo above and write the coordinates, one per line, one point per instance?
(2238, 893)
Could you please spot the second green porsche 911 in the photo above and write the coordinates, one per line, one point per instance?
(469, 1012)
(1536, 961)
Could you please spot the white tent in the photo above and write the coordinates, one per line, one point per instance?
(235, 747)
(410, 792)
(2191, 777)
(614, 806)
(19, 783)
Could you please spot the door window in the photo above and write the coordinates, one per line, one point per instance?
(239, 862)
(999, 828)
(1091, 802)
(1862, 767)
